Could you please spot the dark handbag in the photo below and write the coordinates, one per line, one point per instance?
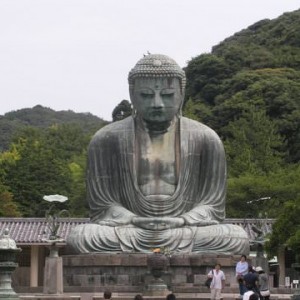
(240, 279)
(209, 280)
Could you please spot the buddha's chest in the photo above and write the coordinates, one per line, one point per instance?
(156, 164)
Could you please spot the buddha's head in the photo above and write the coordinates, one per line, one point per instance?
(156, 86)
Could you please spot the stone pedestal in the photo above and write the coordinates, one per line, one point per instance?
(53, 276)
(6, 291)
(123, 272)
(156, 287)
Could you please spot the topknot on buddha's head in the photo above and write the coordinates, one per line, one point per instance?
(157, 66)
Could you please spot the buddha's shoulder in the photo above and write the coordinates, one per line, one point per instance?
(114, 129)
(197, 128)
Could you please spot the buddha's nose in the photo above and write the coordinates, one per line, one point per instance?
(158, 101)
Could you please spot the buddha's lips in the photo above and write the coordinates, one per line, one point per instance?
(156, 112)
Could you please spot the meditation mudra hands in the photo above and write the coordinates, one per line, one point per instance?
(118, 216)
(158, 223)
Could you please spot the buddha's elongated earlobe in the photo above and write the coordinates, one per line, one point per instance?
(133, 113)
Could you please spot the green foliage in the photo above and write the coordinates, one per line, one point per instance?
(286, 230)
(41, 117)
(78, 205)
(251, 144)
(248, 90)
(258, 66)
(122, 111)
(197, 111)
(44, 165)
(281, 186)
(8, 208)
(43, 153)
(204, 75)
(243, 189)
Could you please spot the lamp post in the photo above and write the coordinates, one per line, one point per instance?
(53, 264)
(260, 237)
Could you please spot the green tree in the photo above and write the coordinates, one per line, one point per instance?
(8, 208)
(286, 230)
(122, 111)
(252, 144)
(78, 204)
(204, 75)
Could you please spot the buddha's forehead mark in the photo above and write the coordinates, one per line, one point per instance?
(163, 83)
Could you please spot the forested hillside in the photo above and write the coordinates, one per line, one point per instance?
(43, 117)
(43, 153)
(248, 90)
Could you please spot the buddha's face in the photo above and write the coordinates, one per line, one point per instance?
(157, 99)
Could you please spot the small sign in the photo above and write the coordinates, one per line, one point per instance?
(287, 281)
(295, 281)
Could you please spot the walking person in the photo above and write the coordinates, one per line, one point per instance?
(218, 282)
(241, 270)
(263, 284)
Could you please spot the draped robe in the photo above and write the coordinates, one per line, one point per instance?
(199, 196)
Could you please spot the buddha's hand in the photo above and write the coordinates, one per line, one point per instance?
(158, 223)
(116, 216)
(200, 222)
(199, 216)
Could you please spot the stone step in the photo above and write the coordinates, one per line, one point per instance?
(123, 297)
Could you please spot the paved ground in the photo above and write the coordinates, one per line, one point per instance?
(130, 296)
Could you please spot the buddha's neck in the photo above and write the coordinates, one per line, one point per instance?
(156, 128)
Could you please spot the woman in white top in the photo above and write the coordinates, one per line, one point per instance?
(241, 269)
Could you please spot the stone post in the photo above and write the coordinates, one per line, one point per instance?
(53, 274)
(296, 295)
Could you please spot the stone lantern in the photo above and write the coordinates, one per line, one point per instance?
(157, 263)
(8, 252)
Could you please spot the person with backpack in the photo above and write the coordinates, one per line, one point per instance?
(263, 284)
(217, 283)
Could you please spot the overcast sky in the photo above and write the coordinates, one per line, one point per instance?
(76, 54)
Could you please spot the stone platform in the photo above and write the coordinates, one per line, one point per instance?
(128, 273)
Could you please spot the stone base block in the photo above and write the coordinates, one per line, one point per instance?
(53, 276)
(130, 271)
